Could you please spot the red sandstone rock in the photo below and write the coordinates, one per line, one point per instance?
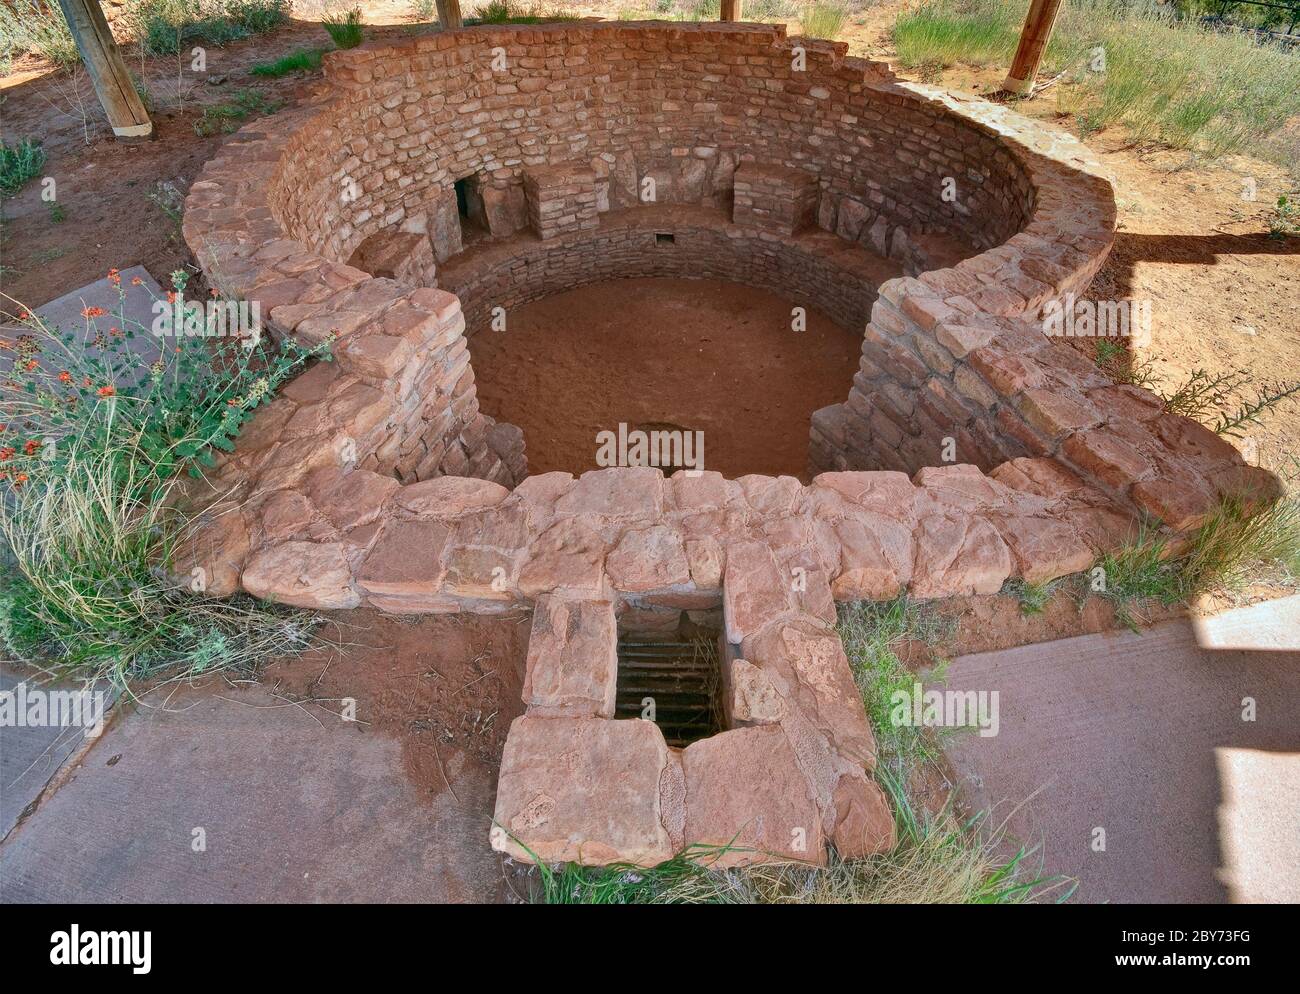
(568, 556)
(449, 497)
(876, 558)
(1044, 548)
(753, 700)
(957, 558)
(572, 659)
(1180, 505)
(648, 559)
(304, 574)
(584, 790)
(211, 558)
(623, 493)
(864, 821)
(350, 500)
(754, 593)
(745, 791)
(807, 665)
(1100, 454)
(1057, 411)
(406, 563)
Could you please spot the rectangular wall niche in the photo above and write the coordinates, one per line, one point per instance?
(469, 206)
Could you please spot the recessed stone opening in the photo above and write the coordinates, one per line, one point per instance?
(670, 674)
(664, 238)
(469, 208)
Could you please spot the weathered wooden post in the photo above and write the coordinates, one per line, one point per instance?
(108, 72)
(449, 14)
(731, 10)
(1033, 42)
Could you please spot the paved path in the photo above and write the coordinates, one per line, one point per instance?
(1143, 736)
(287, 808)
(32, 754)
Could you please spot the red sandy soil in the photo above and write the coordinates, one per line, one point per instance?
(702, 355)
(445, 686)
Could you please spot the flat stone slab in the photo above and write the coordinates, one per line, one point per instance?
(63, 315)
(290, 810)
(31, 755)
(1143, 736)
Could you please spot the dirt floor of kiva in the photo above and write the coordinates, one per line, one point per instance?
(699, 355)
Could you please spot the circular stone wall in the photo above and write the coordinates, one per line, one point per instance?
(476, 169)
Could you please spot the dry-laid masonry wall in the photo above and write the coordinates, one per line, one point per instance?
(971, 449)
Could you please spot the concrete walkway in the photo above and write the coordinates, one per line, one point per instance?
(245, 798)
(1143, 736)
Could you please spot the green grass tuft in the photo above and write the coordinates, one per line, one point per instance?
(345, 29)
(302, 61)
(823, 19)
(1129, 63)
(18, 164)
(228, 116)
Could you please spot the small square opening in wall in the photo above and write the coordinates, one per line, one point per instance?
(664, 238)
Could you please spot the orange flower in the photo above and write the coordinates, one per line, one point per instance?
(213, 293)
(20, 479)
(114, 277)
(171, 296)
(65, 377)
(23, 315)
(31, 364)
(7, 453)
(115, 332)
(31, 446)
(93, 312)
(107, 391)
(136, 281)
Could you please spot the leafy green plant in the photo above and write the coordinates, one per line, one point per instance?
(226, 117)
(301, 61)
(19, 163)
(344, 28)
(1285, 219)
(1219, 401)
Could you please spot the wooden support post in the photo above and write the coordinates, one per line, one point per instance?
(449, 15)
(1033, 42)
(731, 10)
(108, 73)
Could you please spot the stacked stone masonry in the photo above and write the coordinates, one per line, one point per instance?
(375, 479)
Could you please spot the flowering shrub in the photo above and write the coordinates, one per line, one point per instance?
(99, 387)
(96, 430)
